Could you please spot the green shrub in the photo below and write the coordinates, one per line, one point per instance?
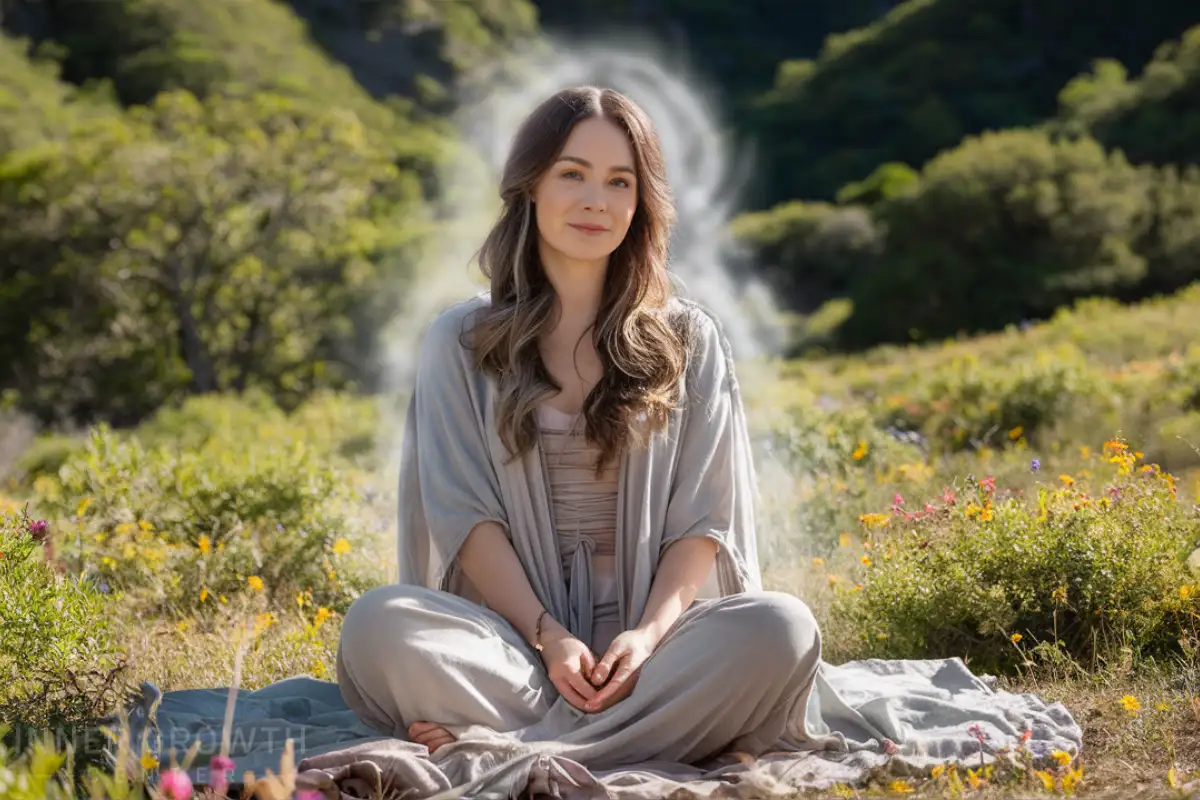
(61, 663)
(179, 529)
(1087, 567)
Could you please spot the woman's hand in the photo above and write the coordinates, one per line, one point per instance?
(623, 662)
(570, 663)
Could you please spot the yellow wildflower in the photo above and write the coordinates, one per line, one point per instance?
(205, 544)
(1085, 452)
(938, 771)
(818, 562)
(1071, 779)
(833, 579)
(124, 529)
(1172, 778)
(1047, 779)
(183, 625)
(149, 762)
(263, 621)
(1016, 432)
(341, 546)
(1067, 480)
(1059, 595)
(861, 451)
(323, 614)
(255, 582)
(973, 778)
(1162, 707)
(1131, 704)
(1061, 756)
(986, 513)
(1016, 637)
(874, 520)
(83, 506)
(144, 525)
(203, 593)
(1185, 592)
(223, 599)
(844, 540)
(866, 561)
(900, 787)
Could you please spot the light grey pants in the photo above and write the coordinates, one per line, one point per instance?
(727, 675)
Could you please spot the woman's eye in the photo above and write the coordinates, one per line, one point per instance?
(571, 173)
(622, 182)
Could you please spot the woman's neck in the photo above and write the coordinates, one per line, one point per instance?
(579, 286)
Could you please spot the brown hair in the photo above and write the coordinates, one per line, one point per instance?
(641, 342)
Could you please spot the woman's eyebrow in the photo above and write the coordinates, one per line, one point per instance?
(588, 164)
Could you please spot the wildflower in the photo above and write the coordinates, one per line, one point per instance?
(1016, 637)
(1026, 734)
(898, 500)
(1047, 779)
(844, 540)
(1185, 592)
(938, 771)
(1131, 704)
(323, 614)
(264, 621)
(989, 484)
(866, 561)
(341, 546)
(949, 497)
(978, 732)
(874, 520)
(1072, 777)
(833, 579)
(900, 787)
(986, 513)
(1015, 433)
(1172, 778)
(1035, 465)
(861, 451)
(1059, 595)
(256, 583)
(890, 747)
(818, 562)
(203, 593)
(39, 529)
(220, 766)
(1162, 707)
(176, 785)
(1067, 480)
(149, 762)
(1063, 758)
(205, 544)
(83, 506)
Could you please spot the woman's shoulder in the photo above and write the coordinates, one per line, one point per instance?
(700, 324)
(445, 333)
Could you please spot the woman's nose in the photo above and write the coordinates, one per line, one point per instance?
(593, 197)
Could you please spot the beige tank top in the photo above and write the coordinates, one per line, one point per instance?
(584, 509)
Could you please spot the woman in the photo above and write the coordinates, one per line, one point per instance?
(577, 545)
(576, 470)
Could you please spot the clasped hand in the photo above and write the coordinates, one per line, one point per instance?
(590, 685)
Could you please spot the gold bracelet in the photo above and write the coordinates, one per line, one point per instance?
(537, 631)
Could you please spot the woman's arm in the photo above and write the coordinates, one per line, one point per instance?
(684, 566)
(489, 561)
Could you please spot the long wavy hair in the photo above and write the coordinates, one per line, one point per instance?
(642, 339)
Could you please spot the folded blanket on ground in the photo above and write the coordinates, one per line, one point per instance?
(899, 718)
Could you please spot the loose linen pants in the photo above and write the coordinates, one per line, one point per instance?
(730, 674)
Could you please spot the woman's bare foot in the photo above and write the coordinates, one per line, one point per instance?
(430, 734)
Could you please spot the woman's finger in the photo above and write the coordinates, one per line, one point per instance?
(569, 694)
(581, 684)
(439, 741)
(599, 674)
(615, 685)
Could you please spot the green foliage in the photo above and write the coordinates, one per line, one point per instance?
(918, 79)
(1088, 568)
(1004, 227)
(58, 653)
(210, 245)
(248, 495)
(811, 252)
(1153, 118)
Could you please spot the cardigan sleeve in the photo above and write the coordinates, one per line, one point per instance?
(448, 480)
(713, 445)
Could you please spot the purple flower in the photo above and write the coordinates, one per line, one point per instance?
(176, 785)
(39, 529)
(1035, 465)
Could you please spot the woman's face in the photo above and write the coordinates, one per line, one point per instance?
(585, 201)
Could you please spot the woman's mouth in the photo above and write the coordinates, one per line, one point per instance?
(590, 230)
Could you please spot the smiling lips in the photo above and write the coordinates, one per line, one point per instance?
(590, 230)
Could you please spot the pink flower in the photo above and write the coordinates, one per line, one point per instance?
(890, 747)
(220, 766)
(176, 785)
(39, 529)
(989, 483)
